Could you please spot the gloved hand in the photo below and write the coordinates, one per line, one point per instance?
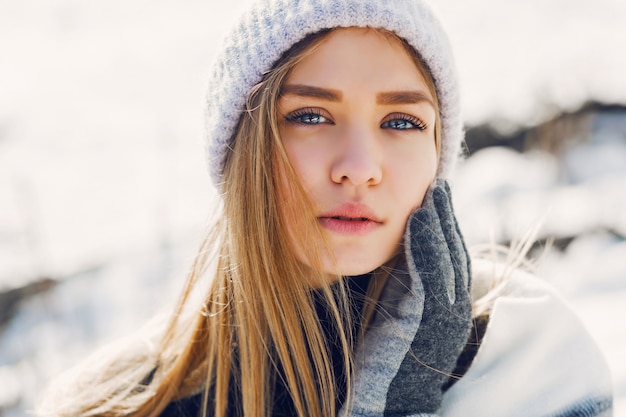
(423, 318)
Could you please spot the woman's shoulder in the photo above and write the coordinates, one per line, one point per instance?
(536, 357)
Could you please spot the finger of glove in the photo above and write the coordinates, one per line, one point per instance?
(386, 342)
(428, 254)
(417, 384)
(437, 254)
(401, 299)
(454, 239)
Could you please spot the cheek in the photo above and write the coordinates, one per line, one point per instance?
(308, 163)
(413, 173)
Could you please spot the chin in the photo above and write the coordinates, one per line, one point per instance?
(350, 262)
(352, 268)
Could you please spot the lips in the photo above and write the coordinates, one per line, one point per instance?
(351, 219)
(354, 219)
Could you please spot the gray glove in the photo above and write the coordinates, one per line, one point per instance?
(423, 319)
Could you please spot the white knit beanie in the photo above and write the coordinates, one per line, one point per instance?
(270, 27)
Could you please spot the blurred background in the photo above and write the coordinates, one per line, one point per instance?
(104, 191)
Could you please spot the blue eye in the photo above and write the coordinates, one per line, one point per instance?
(403, 122)
(307, 117)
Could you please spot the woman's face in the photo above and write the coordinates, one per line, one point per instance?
(357, 122)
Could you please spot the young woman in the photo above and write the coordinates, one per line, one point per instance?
(341, 284)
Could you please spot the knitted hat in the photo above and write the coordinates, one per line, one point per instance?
(270, 27)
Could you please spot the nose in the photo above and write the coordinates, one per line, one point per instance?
(358, 161)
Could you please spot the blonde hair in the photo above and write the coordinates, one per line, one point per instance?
(258, 313)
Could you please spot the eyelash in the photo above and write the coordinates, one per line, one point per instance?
(417, 123)
(295, 117)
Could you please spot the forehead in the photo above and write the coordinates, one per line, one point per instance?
(359, 57)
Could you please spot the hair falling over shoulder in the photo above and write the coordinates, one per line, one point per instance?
(257, 312)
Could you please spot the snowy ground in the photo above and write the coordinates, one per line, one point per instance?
(103, 184)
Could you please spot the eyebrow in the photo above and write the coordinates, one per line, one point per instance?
(386, 98)
(310, 91)
(403, 97)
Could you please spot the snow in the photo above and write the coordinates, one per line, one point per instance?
(103, 182)
(518, 192)
(506, 191)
